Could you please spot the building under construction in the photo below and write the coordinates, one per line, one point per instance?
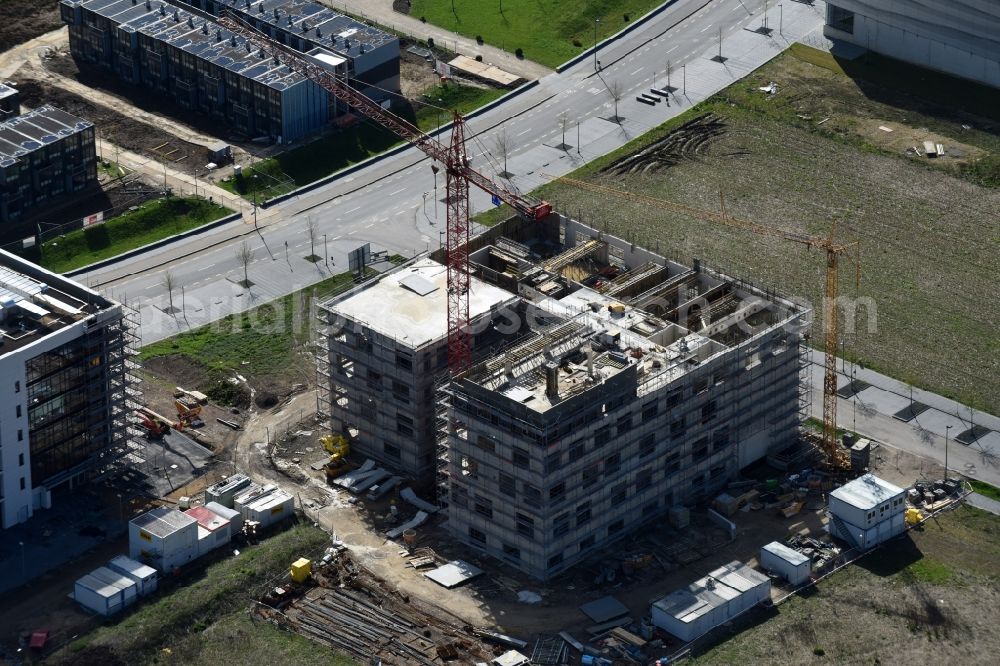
(67, 389)
(609, 384)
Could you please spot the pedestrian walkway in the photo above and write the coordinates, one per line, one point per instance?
(983, 502)
(381, 12)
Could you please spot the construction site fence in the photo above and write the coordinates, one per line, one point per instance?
(846, 558)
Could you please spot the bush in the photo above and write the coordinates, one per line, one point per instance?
(818, 651)
(626, 17)
(479, 40)
(519, 52)
(423, 19)
(577, 43)
(430, 42)
(479, 58)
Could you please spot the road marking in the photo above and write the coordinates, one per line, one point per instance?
(524, 132)
(392, 194)
(353, 209)
(636, 72)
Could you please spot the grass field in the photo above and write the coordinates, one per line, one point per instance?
(264, 344)
(153, 221)
(326, 155)
(813, 155)
(985, 489)
(548, 31)
(930, 597)
(202, 619)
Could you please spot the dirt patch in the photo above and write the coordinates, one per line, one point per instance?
(684, 143)
(909, 141)
(415, 75)
(130, 134)
(23, 20)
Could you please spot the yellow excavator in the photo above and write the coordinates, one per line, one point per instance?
(338, 447)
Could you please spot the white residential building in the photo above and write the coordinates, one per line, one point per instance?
(64, 387)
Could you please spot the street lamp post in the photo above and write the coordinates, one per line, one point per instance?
(781, 18)
(947, 430)
(254, 201)
(326, 252)
(596, 21)
(577, 136)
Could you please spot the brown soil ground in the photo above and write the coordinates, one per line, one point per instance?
(126, 132)
(415, 75)
(22, 20)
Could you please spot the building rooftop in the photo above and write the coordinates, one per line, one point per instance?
(789, 555)
(194, 34)
(163, 521)
(207, 518)
(320, 25)
(866, 492)
(716, 589)
(36, 129)
(411, 304)
(35, 302)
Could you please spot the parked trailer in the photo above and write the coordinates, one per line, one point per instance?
(145, 577)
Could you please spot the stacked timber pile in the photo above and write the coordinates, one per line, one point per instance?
(351, 610)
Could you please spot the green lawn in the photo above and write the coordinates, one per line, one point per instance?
(985, 489)
(201, 618)
(548, 31)
(326, 155)
(153, 221)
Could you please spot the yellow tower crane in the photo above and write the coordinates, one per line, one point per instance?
(836, 456)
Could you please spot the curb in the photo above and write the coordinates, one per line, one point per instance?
(128, 254)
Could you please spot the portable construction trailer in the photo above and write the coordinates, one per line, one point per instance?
(229, 513)
(720, 596)
(163, 538)
(130, 591)
(145, 577)
(213, 530)
(786, 562)
(267, 505)
(224, 491)
(867, 511)
(96, 595)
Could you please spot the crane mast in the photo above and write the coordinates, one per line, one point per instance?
(459, 175)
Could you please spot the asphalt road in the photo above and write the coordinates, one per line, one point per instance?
(393, 203)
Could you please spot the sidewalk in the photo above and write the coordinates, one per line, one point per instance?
(879, 411)
(381, 12)
(984, 503)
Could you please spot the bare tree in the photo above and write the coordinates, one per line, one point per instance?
(563, 125)
(617, 91)
(168, 283)
(504, 145)
(312, 228)
(244, 255)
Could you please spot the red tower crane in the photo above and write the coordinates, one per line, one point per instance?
(459, 176)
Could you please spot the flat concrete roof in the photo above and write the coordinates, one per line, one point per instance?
(400, 306)
(866, 492)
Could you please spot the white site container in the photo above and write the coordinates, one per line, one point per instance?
(267, 505)
(164, 538)
(145, 577)
(98, 596)
(786, 562)
(867, 511)
(723, 594)
(130, 591)
(232, 515)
